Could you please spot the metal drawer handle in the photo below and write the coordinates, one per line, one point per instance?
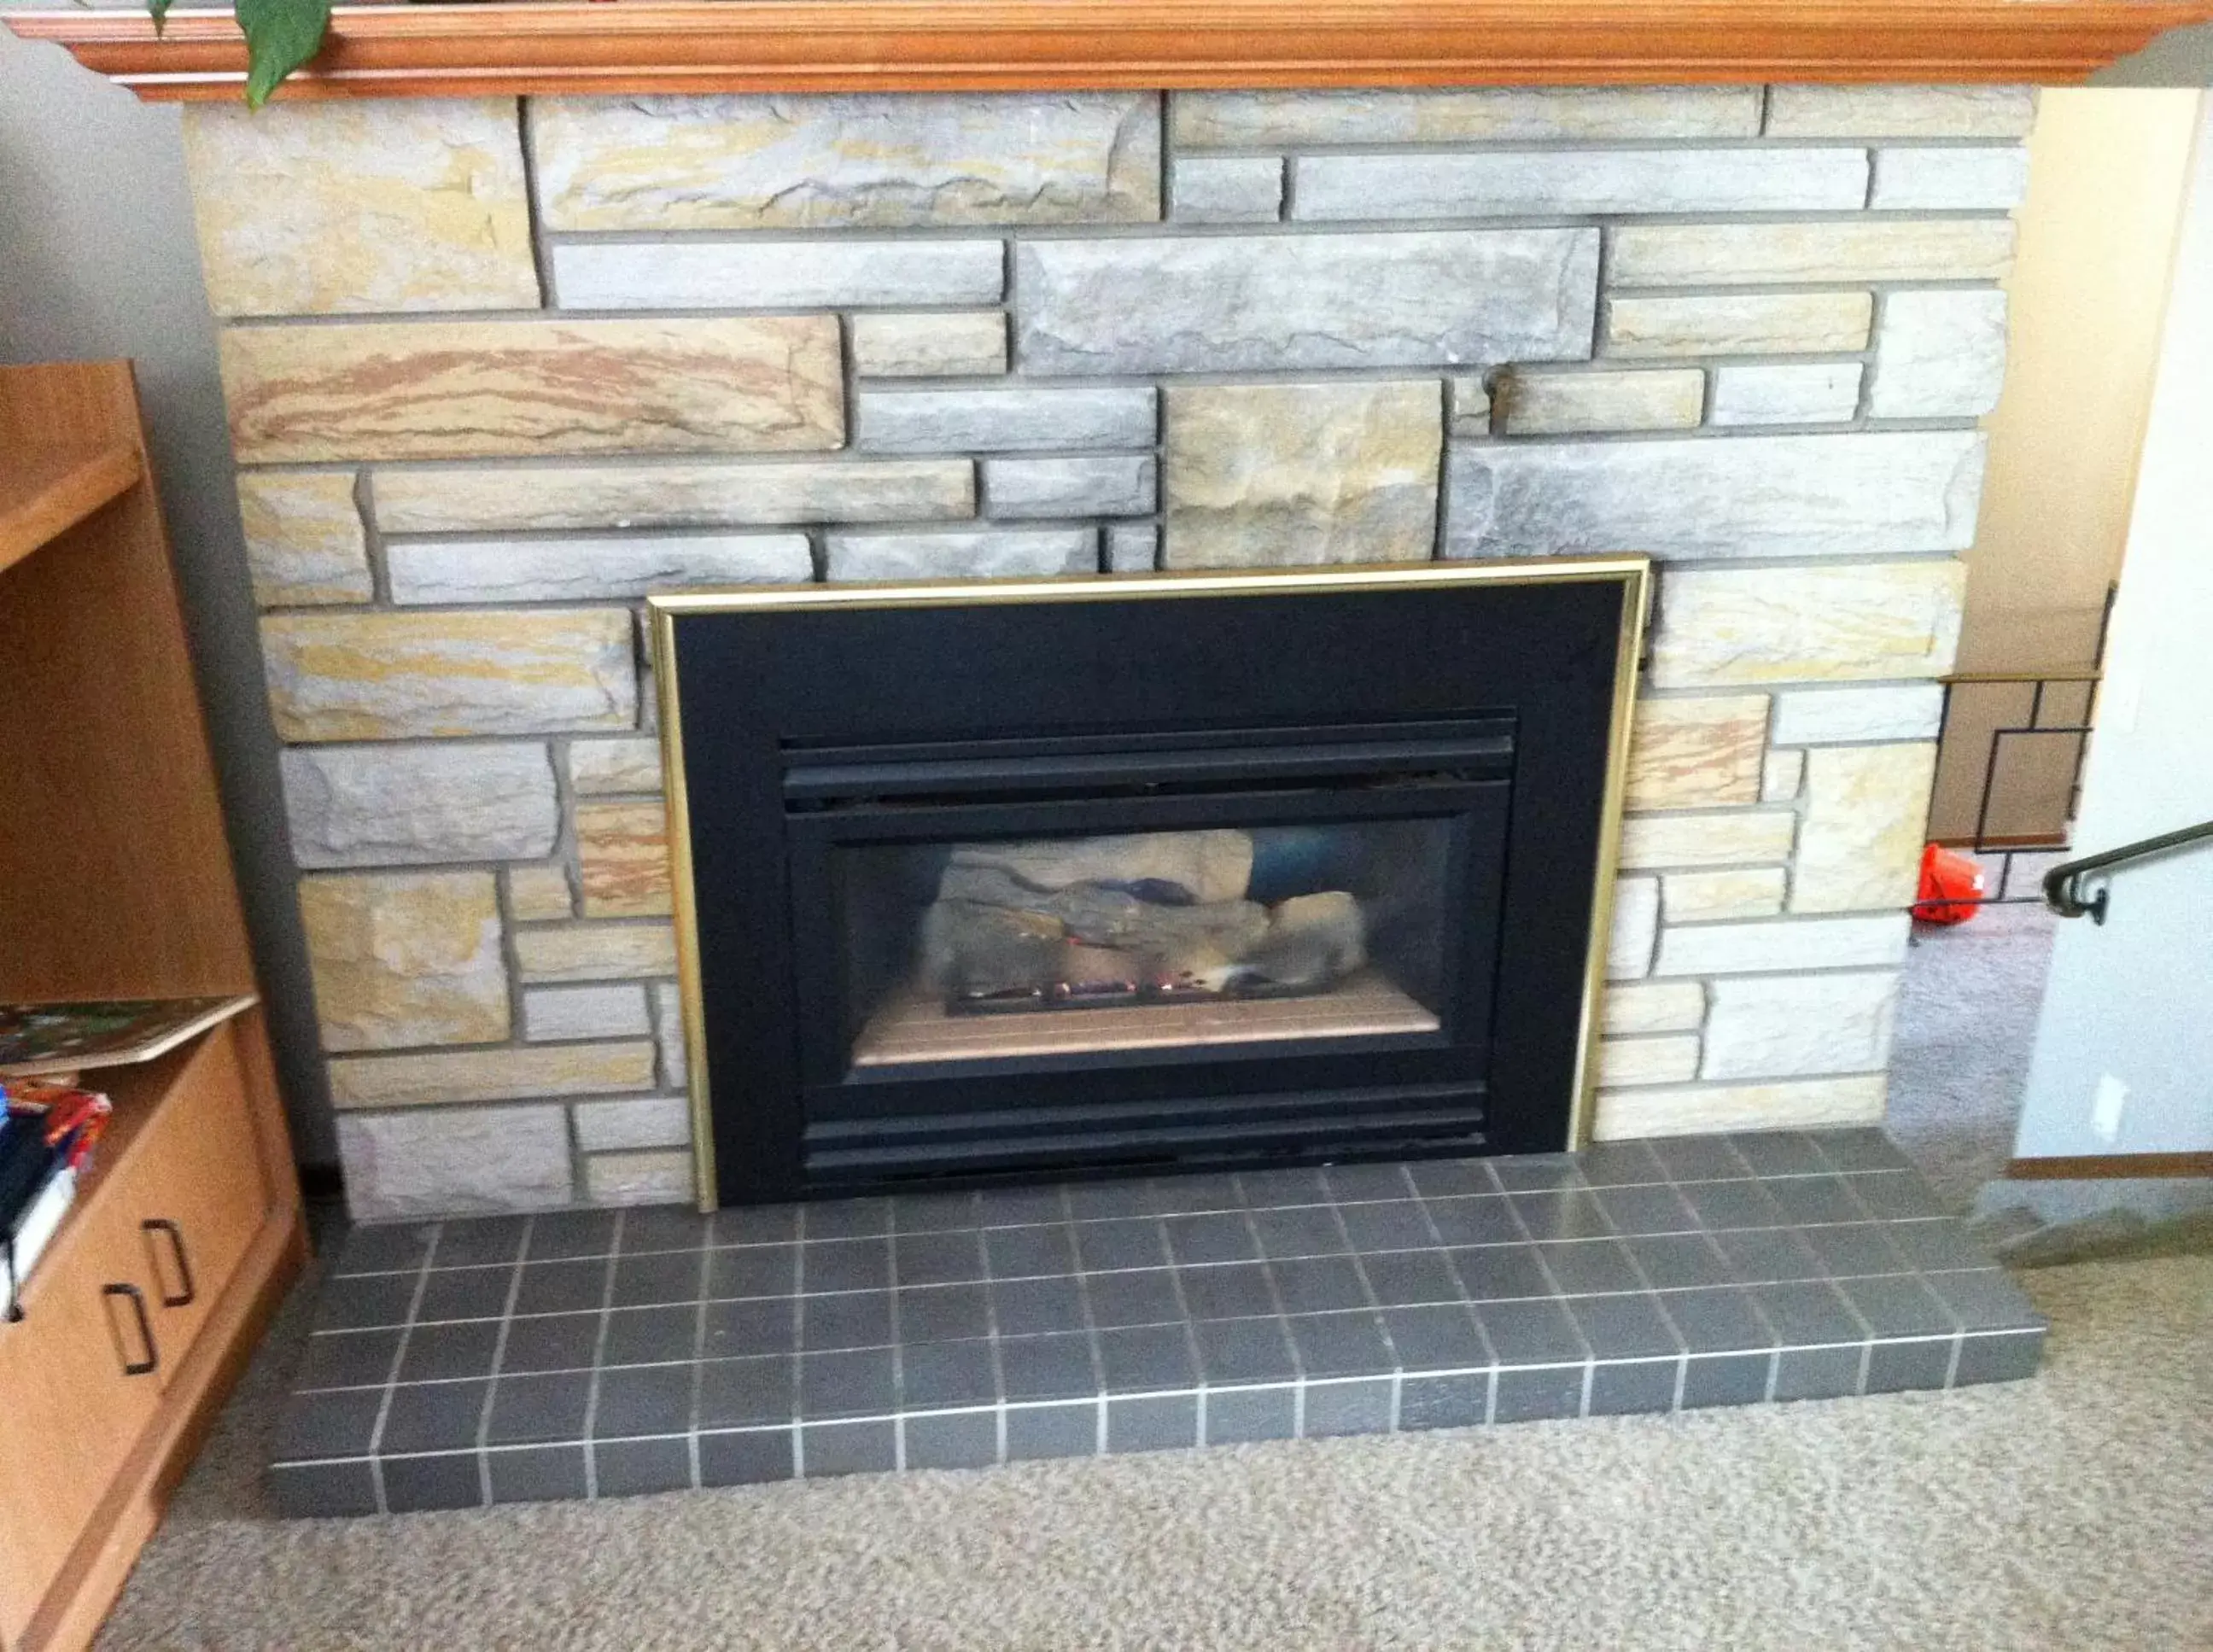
(153, 1360)
(189, 1293)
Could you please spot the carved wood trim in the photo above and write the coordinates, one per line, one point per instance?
(445, 50)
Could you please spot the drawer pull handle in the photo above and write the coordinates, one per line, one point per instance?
(153, 1360)
(187, 1292)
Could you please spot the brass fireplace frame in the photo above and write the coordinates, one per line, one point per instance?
(1632, 571)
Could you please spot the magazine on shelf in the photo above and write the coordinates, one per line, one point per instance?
(72, 1038)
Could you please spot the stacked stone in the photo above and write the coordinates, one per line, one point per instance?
(494, 372)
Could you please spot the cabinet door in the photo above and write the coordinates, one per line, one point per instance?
(76, 1396)
(196, 1194)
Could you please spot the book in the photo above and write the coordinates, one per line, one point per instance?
(70, 1038)
(20, 1252)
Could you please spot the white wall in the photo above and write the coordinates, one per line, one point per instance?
(97, 260)
(2134, 999)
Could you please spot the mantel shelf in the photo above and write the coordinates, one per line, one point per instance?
(44, 494)
(447, 50)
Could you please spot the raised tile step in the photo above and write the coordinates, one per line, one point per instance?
(595, 1353)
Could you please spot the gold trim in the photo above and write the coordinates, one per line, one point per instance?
(1632, 571)
(1629, 659)
(703, 1185)
(1092, 588)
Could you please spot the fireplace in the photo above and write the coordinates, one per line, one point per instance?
(1050, 878)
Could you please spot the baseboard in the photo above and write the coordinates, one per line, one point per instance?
(2103, 1166)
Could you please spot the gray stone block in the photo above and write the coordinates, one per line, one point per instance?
(1511, 183)
(996, 420)
(1228, 189)
(632, 1122)
(1119, 484)
(1133, 547)
(777, 275)
(1463, 114)
(401, 805)
(551, 570)
(584, 1012)
(1955, 180)
(1793, 495)
(1225, 303)
(454, 1161)
(1940, 355)
(984, 553)
(1787, 393)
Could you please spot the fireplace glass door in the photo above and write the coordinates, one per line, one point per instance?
(1048, 946)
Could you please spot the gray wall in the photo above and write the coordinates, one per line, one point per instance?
(2127, 1002)
(96, 261)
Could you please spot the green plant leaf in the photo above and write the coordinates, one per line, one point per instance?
(159, 9)
(280, 36)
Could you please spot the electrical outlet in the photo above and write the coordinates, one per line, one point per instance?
(2106, 1107)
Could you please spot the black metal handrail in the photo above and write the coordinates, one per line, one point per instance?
(2063, 890)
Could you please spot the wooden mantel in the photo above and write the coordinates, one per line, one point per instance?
(631, 47)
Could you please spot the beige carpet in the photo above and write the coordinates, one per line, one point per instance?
(2075, 1511)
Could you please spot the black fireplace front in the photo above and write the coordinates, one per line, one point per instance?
(1039, 878)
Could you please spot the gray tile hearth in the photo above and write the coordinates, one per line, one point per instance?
(592, 1354)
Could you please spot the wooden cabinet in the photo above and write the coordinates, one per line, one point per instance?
(115, 879)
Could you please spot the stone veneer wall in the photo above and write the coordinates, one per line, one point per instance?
(495, 371)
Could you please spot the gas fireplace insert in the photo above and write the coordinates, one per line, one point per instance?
(1033, 879)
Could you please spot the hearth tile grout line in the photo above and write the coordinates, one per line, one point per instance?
(499, 1358)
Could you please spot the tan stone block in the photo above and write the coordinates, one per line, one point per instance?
(320, 208)
(930, 346)
(622, 855)
(484, 389)
(1781, 775)
(1800, 1026)
(1875, 621)
(460, 500)
(1738, 325)
(1723, 838)
(1900, 111)
(490, 1075)
(1269, 119)
(1807, 1104)
(598, 767)
(595, 952)
(1867, 809)
(405, 958)
(540, 894)
(304, 539)
(392, 676)
(750, 162)
(1670, 1060)
(1524, 403)
(653, 1178)
(1278, 474)
(1636, 1007)
(1693, 753)
(1701, 896)
(1842, 249)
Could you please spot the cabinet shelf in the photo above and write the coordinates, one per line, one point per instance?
(45, 492)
